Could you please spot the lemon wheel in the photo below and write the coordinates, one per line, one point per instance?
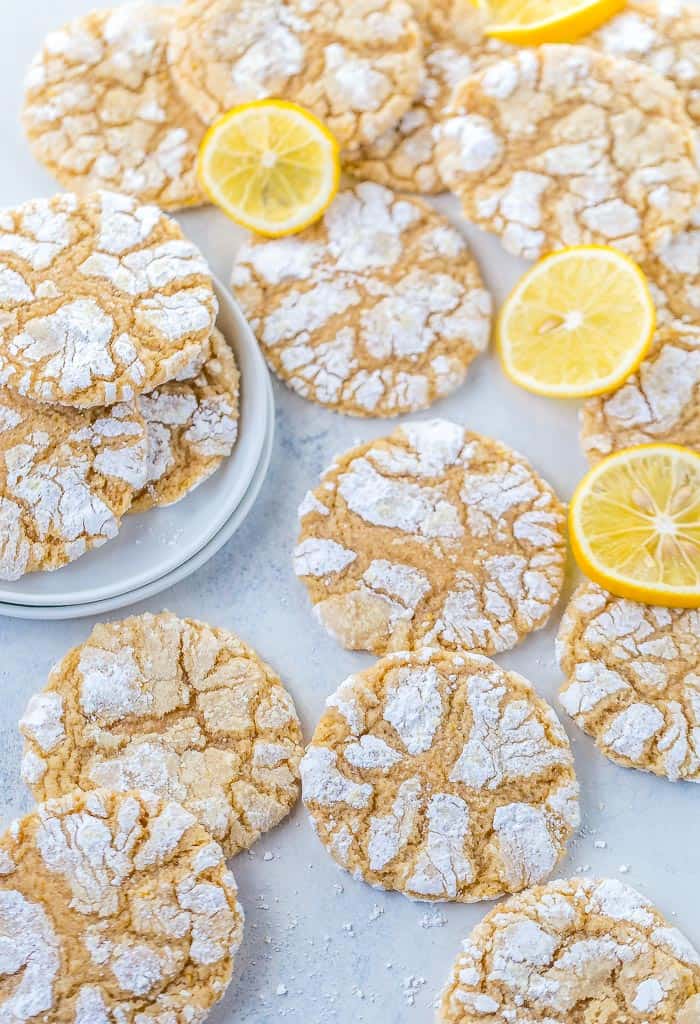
(532, 22)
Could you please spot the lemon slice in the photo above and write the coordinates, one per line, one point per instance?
(577, 324)
(635, 524)
(271, 166)
(531, 22)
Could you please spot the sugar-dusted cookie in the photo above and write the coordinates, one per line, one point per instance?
(672, 267)
(455, 47)
(660, 403)
(563, 145)
(101, 110)
(356, 66)
(67, 476)
(633, 680)
(100, 299)
(175, 707)
(573, 951)
(442, 776)
(376, 310)
(114, 907)
(192, 427)
(432, 534)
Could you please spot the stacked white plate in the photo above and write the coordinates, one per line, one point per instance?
(159, 548)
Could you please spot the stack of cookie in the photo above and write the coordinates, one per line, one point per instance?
(160, 747)
(118, 392)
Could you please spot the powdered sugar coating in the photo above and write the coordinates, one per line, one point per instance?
(100, 300)
(632, 680)
(119, 907)
(455, 47)
(660, 403)
(101, 110)
(192, 428)
(177, 708)
(66, 479)
(376, 310)
(449, 779)
(564, 146)
(357, 67)
(574, 951)
(448, 537)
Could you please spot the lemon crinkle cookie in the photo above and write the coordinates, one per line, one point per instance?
(376, 310)
(632, 681)
(101, 110)
(432, 534)
(660, 403)
(67, 476)
(175, 707)
(441, 776)
(192, 427)
(455, 47)
(563, 145)
(672, 267)
(114, 907)
(356, 66)
(573, 951)
(100, 299)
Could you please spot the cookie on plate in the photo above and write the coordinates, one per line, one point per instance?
(175, 707)
(574, 950)
(563, 145)
(632, 680)
(357, 66)
(660, 403)
(101, 110)
(192, 427)
(455, 46)
(432, 534)
(101, 299)
(67, 476)
(441, 776)
(377, 310)
(114, 907)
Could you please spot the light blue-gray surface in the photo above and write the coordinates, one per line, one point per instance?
(343, 955)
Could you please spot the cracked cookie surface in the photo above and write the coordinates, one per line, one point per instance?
(431, 535)
(114, 907)
(67, 476)
(574, 952)
(355, 66)
(660, 403)
(101, 299)
(564, 146)
(175, 707)
(101, 109)
(455, 47)
(632, 680)
(376, 310)
(192, 427)
(442, 776)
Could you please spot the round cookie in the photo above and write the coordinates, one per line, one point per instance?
(660, 403)
(672, 267)
(377, 310)
(66, 478)
(572, 951)
(114, 907)
(455, 46)
(562, 145)
(101, 110)
(441, 776)
(432, 534)
(192, 427)
(177, 708)
(357, 66)
(632, 680)
(100, 299)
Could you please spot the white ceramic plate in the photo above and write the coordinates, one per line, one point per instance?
(78, 611)
(152, 544)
